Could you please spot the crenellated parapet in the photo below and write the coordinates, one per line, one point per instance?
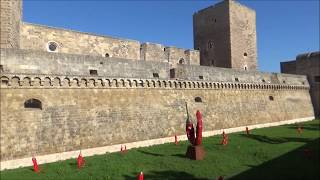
(52, 81)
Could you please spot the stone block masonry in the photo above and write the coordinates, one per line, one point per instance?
(88, 114)
(63, 90)
(11, 16)
(39, 37)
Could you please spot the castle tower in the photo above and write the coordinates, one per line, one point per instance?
(225, 34)
(11, 16)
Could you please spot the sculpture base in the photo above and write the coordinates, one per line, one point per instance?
(195, 152)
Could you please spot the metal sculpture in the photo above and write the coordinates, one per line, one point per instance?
(195, 151)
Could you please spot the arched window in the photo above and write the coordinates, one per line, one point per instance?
(107, 55)
(245, 54)
(198, 99)
(33, 103)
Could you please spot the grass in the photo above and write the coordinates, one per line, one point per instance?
(268, 153)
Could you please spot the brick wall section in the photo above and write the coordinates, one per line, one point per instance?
(10, 23)
(90, 113)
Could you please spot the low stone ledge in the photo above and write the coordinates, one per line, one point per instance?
(24, 162)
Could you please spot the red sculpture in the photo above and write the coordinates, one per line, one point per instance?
(140, 176)
(80, 160)
(195, 151)
(247, 131)
(194, 139)
(224, 138)
(35, 165)
(123, 149)
(176, 139)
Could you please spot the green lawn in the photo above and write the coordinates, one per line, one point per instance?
(269, 153)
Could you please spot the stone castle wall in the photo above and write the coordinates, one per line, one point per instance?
(98, 91)
(10, 20)
(243, 37)
(37, 37)
(307, 64)
(211, 35)
(40, 62)
(83, 112)
(225, 34)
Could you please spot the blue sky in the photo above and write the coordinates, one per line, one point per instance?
(284, 28)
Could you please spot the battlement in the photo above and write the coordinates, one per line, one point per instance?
(16, 61)
(51, 81)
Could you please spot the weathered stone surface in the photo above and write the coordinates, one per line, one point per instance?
(225, 34)
(76, 98)
(307, 64)
(77, 118)
(11, 16)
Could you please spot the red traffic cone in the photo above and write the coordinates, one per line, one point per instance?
(80, 160)
(141, 177)
(35, 165)
(176, 139)
(247, 131)
(125, 148)
(121, 148)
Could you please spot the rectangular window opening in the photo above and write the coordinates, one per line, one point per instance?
(200, 77)
(172, 73)
(93, 72)
(155, 75)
